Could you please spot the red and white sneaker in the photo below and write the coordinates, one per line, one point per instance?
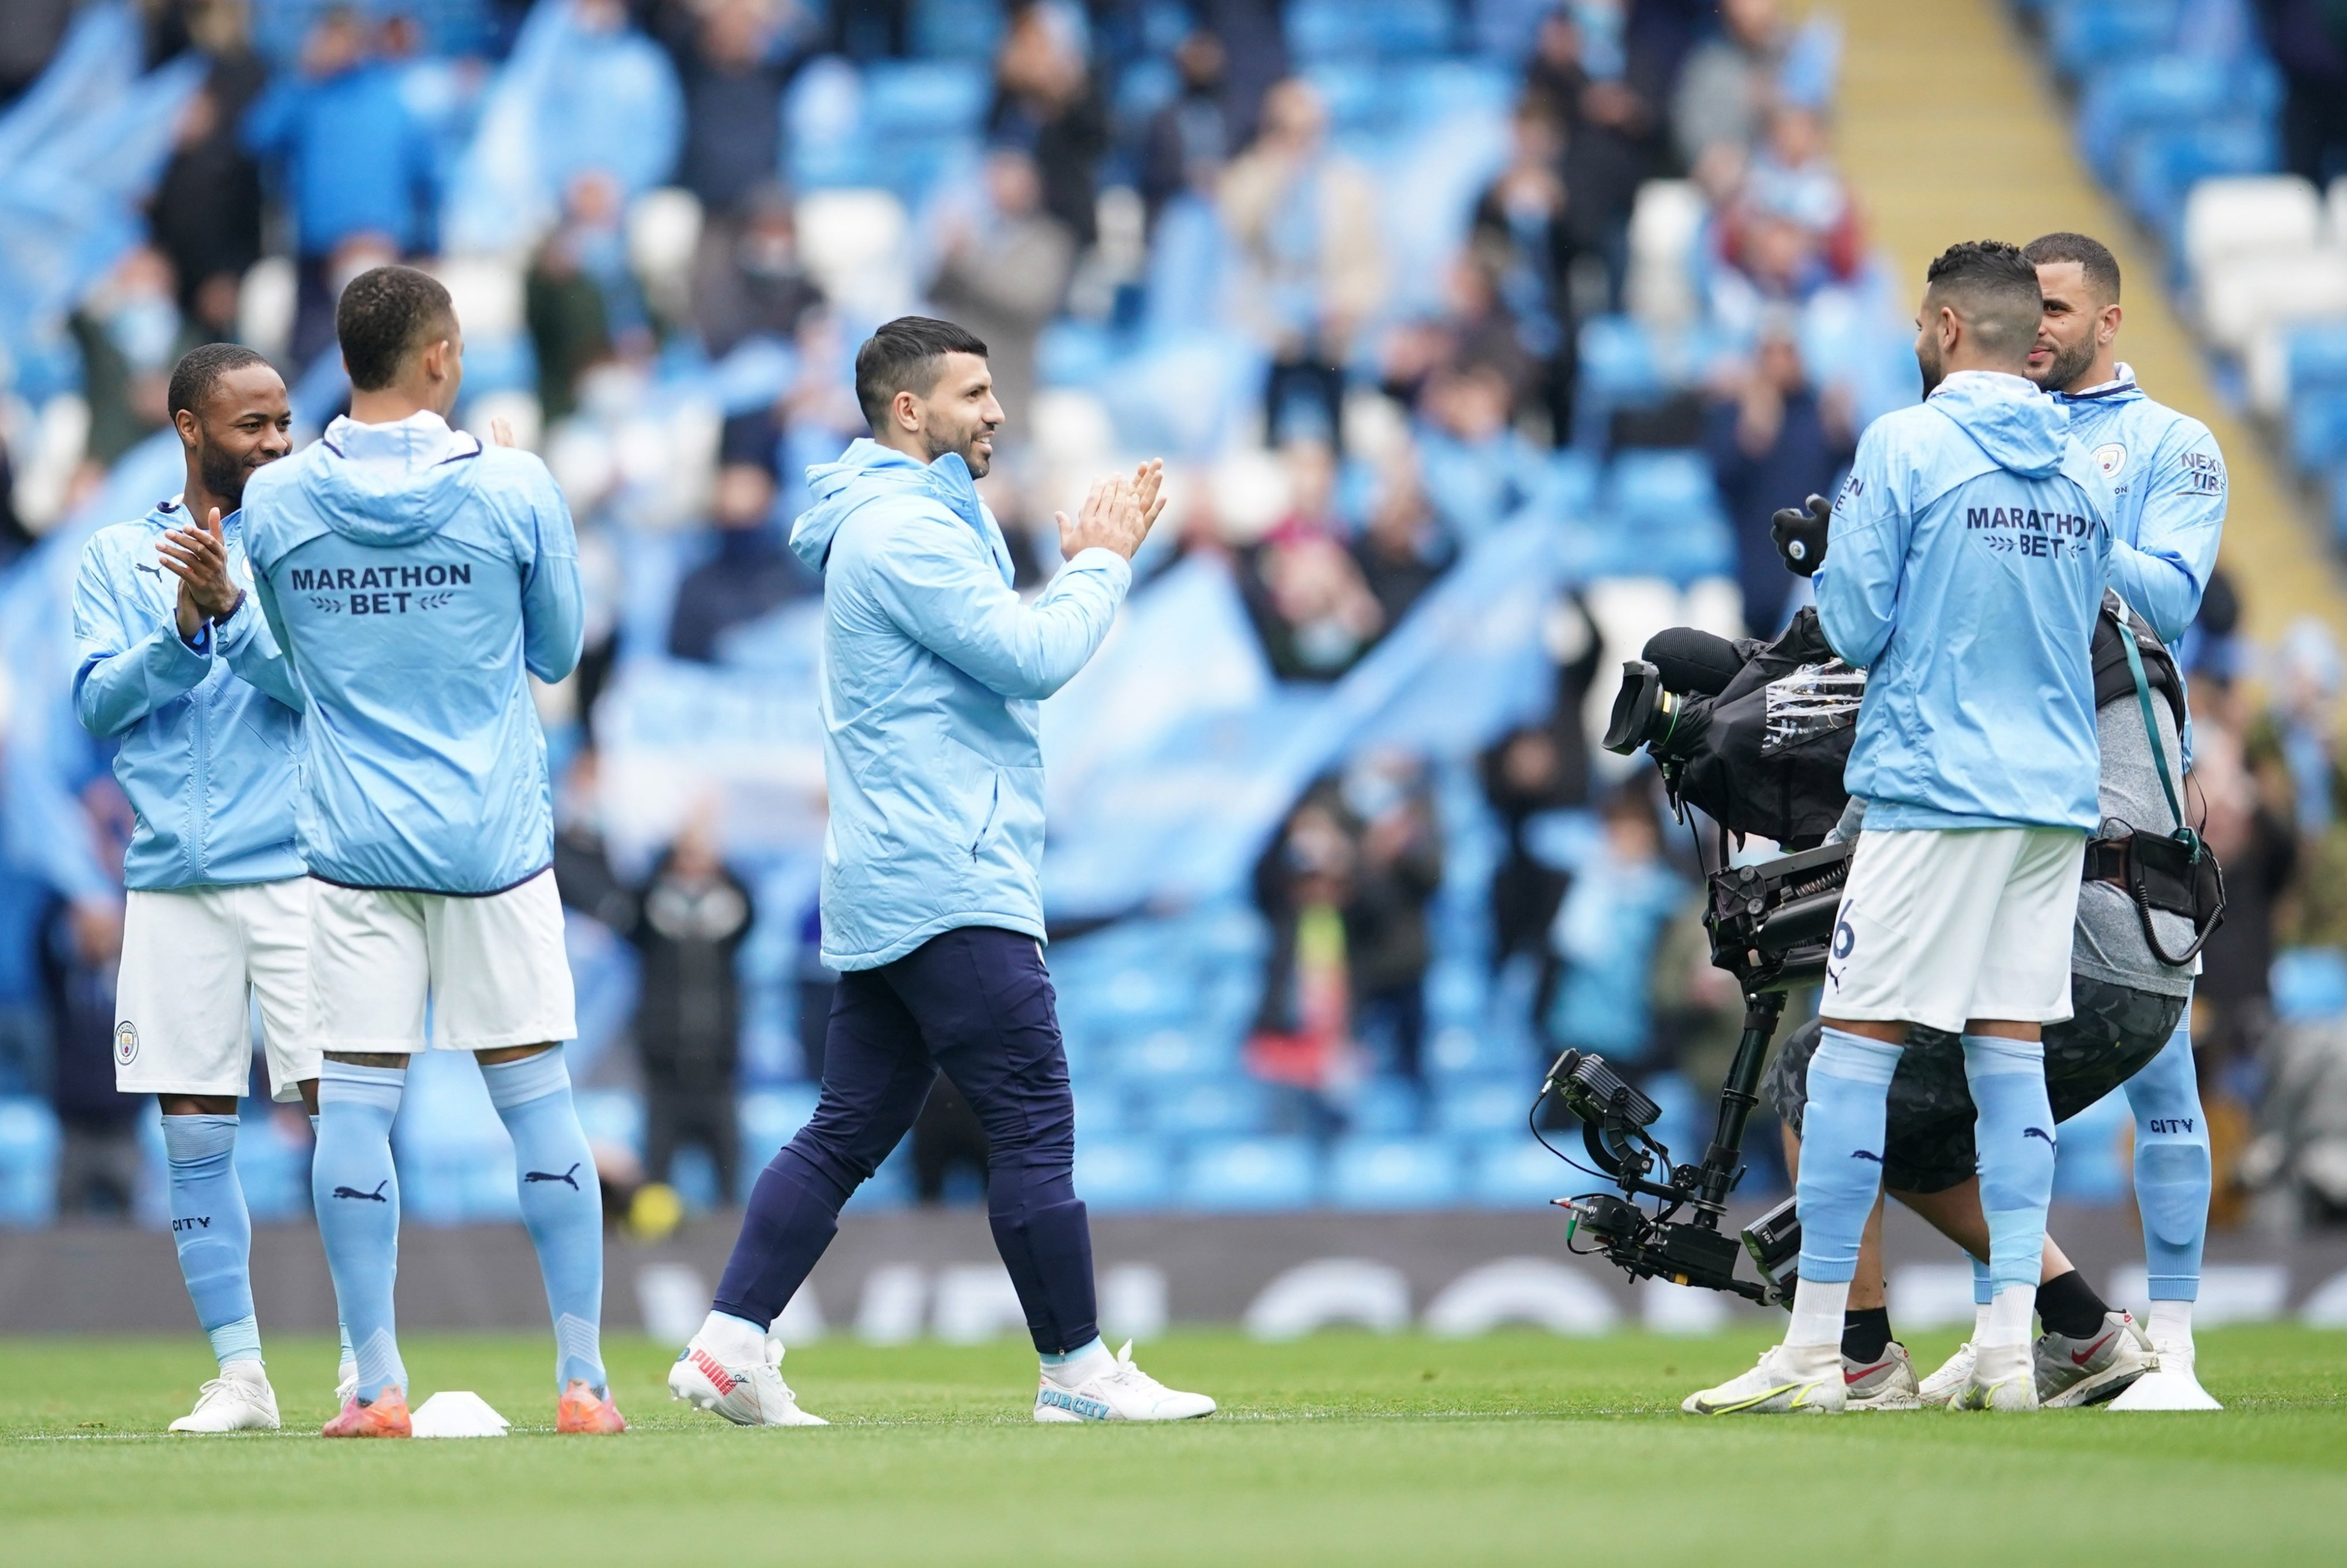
(584, 1410)
(1886, 1383)
(386, 1418)
(748, 1396)
(2073, 1372)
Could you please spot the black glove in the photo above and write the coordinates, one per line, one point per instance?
(1799, 533)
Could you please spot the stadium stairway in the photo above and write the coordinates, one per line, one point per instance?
(1950, 128)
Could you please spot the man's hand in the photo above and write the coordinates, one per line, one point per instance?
(502, 431)
(1118, 513)
(199, 558)
(1800, 535)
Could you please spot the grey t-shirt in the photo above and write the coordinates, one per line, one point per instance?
(2109, 944)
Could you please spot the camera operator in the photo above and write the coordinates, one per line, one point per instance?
(1964, 568)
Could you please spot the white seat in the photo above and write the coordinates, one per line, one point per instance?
(487, 291)
(2241, 296)
(855, 244)
(663, 231)
(1663, 227)
(2262, 215)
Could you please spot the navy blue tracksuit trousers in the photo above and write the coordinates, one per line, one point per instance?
(977, 1004)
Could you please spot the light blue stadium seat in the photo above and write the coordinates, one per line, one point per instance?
(2318, 356)
(957, 30)
(1391, 29)
(1230, 1104)
(1485, 1105)
(1511, 1171)
(1171, 1056)
(614, 1117)
(1234, 1175)
(28, 1162)
(1391, 1173)
(915, 98)
(2318, 428)
(1468, 1051)
(1666, 507)
(1618, 363)
(1119, 1175)
(2159, 167)
(1385, 1105)
(1101, 1108)
(1354, 92)
(2087, 36)
(2310, 985)
(2090, 1163)
(272, 1164)
(2138, 94)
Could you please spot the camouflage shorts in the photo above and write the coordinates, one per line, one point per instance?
(2112, 1034)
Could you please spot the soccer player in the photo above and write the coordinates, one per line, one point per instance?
(2168, 480)
(1966, 562)
(932, 905)
(413, 575)
(175, 666)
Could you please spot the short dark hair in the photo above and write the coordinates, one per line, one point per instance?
(2094, 257)
(1998, 291)
(906, 356)
(200, 369)
(384, 315)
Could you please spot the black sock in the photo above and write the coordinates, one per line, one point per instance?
(2068, 1306)
(1864, 1333)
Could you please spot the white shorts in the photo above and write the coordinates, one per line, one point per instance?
(1940, 926)
(493, 968)
(192, 962)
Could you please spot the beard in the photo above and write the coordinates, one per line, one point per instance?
(2067, 366)
(1928, 361)
(224, 472)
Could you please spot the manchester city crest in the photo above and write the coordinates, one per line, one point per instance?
(126, 1043)
(2110, 457)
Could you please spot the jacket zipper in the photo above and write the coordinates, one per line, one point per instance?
(992, 806)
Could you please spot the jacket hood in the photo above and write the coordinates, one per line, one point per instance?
(2020, 428)
(392, 484)
(865, 470)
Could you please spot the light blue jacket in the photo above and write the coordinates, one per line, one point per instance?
(208, 733)
(2168, 479)
(1963, 568)
(932, 673)
(413, 575)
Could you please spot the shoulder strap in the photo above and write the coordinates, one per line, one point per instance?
(2151, 726)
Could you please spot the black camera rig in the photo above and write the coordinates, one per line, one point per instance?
(1772, 927)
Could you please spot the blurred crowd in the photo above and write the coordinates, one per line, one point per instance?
(1384, 280)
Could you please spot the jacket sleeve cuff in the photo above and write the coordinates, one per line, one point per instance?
(178, 661)
(1104, 562)
(234, 629)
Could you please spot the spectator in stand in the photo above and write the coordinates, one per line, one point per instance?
(611, 103)
(350, 160)
(98, 1169)
(748, 279)
(206, 212)
(751, 573)
(1302, 1038)
(1729, 81)
(1792, 179)
(1044, 100)
(2308, 41)
(1612, 133)
(131, 333)
(1523, 239)
(1305, 221)
(1404, 550)
(734, 86)
(691, 918)
(1004, 271)
(1397, 870)
(1189, 140)
(1612, 919)
(1302, 590)
(1773, 438)
(564, 304)
(1479, 468)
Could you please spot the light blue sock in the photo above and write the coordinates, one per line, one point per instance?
(2172, 1172)
(341, 1329)
(1982, 1291)
(1081, 1351)
(213, 1230)
(2014, 1132)
(355, 1192)
(560, 1203)
(1842, 1151)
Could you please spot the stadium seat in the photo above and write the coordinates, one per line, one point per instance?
(1119, 1175)
(28, 1162)
(907, 97)
(1238, 1175)
(1227, 1104)
(1319, 30)
(1484, 1106)
(1511, 1171)
(612, 1117)
(1386, 1104)
(854, 244)
(1665, 224)
(2091, 1164)
(1668, 508)
(2317, 429)
(767, 1119)
(2317, 356)
(272, 1165)
(2253, 215)
(2138, 95)
(2090, 35)
(1173, 1055)
(2159, 167)
(958, 30)
(1393, 1173)
(2246, 294)
(2310, 985)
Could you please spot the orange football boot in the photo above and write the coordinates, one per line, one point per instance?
(583, 1410)
(386, 1418)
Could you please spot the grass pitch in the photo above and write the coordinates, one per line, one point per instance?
(1342, 1450)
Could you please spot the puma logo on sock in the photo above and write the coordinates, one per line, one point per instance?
(1862, 1155)
(2038, 1133)
(569, 1176)
(373, 1197)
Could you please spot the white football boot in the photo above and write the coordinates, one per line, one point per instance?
(238, 1400)
(346, 1383)
(1790, 1379)
(1117, 1390)
(2073, 1372)
(1886, 1383)
(2004, 1377)
(1941, 1387)
(748, 1396)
